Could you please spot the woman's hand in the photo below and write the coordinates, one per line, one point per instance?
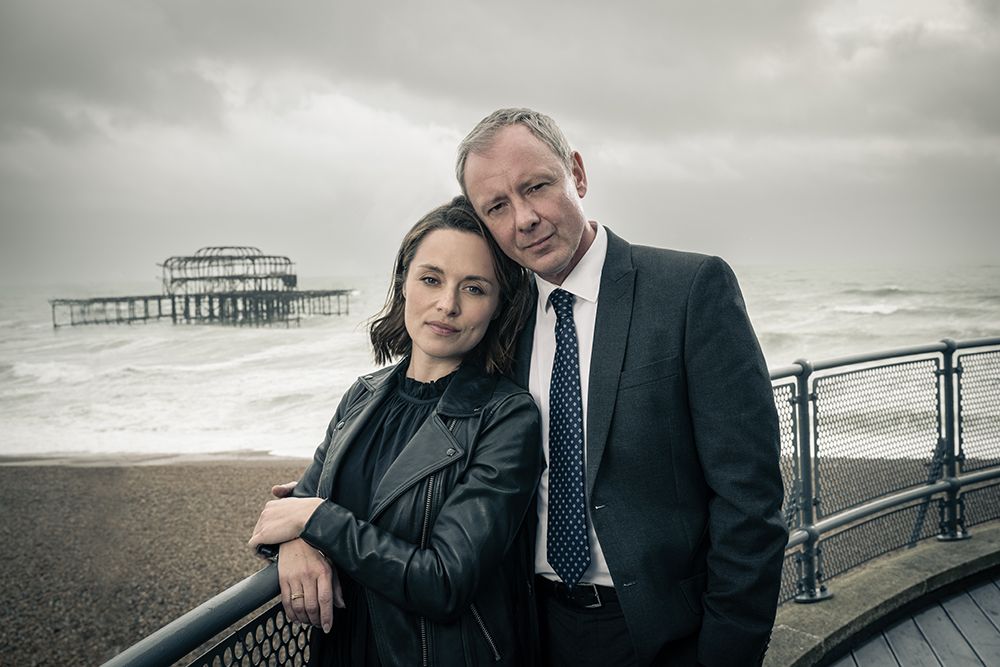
(310, 586)
(282, 520)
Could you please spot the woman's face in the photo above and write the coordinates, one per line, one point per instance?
(451, 293)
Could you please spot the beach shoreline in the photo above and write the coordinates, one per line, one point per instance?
(97, 552)
(104, 460)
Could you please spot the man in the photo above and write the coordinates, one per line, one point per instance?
(659, 538)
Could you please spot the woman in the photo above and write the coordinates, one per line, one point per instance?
(427, 469)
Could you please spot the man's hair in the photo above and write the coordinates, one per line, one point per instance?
(484, 133)
(495, 352)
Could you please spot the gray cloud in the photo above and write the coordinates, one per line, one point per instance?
(133, 130)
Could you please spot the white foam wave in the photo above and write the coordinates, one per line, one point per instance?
(50, 372)
(869, 309)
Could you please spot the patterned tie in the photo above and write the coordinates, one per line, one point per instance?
(568, 548)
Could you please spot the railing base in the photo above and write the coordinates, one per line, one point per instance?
(957, 537)
(815, 596)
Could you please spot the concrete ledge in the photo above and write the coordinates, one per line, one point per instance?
(805, 633)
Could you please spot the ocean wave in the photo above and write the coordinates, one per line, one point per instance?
(988, 298)
(870, 309)
(287, 399)
(49, 372)
(884, 291)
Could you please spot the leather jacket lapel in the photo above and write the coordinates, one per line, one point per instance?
(379, 385)
(614, 317)
(431, 448)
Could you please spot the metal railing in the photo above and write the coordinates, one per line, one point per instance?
(874, 448)
(885, 450)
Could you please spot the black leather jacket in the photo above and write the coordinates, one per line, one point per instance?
(447, 510)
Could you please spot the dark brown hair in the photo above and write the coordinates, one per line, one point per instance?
(495, 352)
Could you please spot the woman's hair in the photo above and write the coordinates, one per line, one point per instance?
(495, 352)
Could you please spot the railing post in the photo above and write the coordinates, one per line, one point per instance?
(810, 584)
(952, 523)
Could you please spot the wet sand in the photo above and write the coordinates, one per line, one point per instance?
(98, 552)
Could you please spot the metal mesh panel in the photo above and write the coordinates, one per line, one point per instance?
(981, 505)
(870, 539)
(267, 640)
(979, 409)
(790, 576)
(784, 396)
(877, 431)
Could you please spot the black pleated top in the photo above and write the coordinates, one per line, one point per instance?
(351, 641)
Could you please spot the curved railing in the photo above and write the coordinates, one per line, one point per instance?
(873, 443)
(878, 452)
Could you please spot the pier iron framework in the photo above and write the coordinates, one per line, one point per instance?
(237, 285)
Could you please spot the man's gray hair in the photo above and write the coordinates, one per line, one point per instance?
(485, 132)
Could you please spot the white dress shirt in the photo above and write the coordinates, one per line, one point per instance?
(584, 282)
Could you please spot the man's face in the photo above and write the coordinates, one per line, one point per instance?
(530, 202)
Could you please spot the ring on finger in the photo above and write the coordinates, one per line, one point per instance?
(296, 596)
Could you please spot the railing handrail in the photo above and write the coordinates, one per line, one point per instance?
(184, 634)
(782, 372)
(977, 342)
(882, 503)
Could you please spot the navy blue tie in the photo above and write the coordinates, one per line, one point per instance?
(567, 544)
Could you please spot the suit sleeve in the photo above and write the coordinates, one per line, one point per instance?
(738, 443)
(473, 529)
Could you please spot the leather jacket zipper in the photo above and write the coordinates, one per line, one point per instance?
(423, 545)
(424, 531)
(486, 633)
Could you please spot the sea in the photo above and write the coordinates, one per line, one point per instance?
(159, 388)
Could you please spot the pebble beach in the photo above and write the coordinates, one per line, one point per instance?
(96, 553)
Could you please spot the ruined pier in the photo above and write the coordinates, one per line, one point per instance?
(235, 285)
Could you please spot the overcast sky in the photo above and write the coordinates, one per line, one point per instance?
(763, 131)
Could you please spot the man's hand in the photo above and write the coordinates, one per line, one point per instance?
(283, 520)
(283, 490)
(310, 586)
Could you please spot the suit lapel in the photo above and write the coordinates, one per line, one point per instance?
(614, 317)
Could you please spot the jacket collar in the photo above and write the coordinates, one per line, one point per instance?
(465, 395)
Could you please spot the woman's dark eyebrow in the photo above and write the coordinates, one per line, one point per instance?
(438, 269)
(430, 267)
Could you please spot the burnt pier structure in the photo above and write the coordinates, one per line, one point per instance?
(234, 285)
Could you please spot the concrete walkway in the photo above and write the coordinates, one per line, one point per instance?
(811, 634)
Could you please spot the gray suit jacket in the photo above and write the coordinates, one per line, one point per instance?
(683, 481)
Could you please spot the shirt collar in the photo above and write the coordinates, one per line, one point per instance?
(584, 281)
